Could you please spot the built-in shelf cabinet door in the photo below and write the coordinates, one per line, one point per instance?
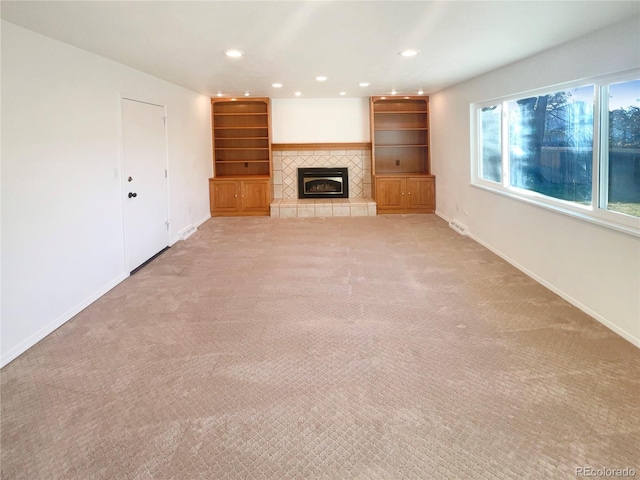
(224, 196)
(248, 196)
(389, 193)
(421, 194)
(255, 196)
(397, 194)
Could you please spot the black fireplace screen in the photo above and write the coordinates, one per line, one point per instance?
(323, 183)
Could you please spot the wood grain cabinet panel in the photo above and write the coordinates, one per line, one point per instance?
(399, 194)
(255, 197)
(239, 197)
(421, 194)
(224, 196)
(390, 193)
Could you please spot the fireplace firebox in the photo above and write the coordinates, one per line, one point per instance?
(323, 182)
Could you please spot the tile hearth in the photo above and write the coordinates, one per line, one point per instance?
(331, 207)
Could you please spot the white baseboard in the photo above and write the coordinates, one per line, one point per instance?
(200, 222)
(443, 216)
(26, 344)
(196, 225)
(624, 334)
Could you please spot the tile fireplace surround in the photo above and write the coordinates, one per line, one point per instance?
(285, 183)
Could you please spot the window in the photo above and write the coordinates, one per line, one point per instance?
(574, 149)
(491, 163)
(622, 157)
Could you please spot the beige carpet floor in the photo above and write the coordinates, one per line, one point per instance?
(383, 347)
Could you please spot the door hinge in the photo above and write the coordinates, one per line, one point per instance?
(165, 173)
(167, 223)
(164, 120)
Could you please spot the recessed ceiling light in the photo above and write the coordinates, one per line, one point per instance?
(364, 84)
(393, 92)
(246, 94)
(233, 53)
(343, 93)
(408, 53)
(420, 92)
(219, 94)
(321, 78)
(276, 85)
(297, 94)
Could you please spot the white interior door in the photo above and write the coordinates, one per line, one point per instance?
(146, 211)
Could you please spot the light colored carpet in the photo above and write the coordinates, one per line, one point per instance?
(380, 347)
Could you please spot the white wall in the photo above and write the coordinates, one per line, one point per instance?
(62, 227)
(593, 267)
(320, 120)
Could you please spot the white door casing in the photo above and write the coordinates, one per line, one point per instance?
(144, 177)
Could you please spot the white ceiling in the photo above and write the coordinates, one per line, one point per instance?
(292, 42)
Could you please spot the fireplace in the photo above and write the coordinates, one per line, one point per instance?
(323, 182)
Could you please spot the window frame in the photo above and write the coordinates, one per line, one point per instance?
(596, 212)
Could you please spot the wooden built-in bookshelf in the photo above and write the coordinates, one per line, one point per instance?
(241, 133)
(401, 164)
(241, 137)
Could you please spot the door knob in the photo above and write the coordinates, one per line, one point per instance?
(132, 194)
